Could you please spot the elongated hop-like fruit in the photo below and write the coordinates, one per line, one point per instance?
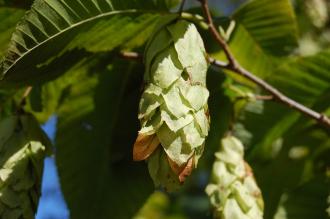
(23, 147)
(233, 190)
(173, 109)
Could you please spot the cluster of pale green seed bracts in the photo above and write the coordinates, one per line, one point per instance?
(233, 191)
(173, 108)
(22, 151)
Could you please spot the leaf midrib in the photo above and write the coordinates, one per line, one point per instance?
(91, 19)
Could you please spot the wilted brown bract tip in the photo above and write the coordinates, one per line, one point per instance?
(144, 146)
(248, 169)
(184, 170)
(176, 168)
(187, 169)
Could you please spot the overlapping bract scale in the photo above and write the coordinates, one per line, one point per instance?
(23, 147)
(233, 190)
(173, 107)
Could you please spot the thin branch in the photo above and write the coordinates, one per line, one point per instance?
(130, 55)
(217, 63)
(234, 66)
(181, 6)
(274, 93)
(257, 97)
(264, 97)
(20, 107)
(24, 96)
(216, 34)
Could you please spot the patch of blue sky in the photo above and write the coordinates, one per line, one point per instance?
(51, 204)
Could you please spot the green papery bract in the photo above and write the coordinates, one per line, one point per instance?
(22, 153)
(155, 47)
(161, 172)
(189, 45)
(160, 39)
(148, 105)
(233, 191)
(202, 122)
(174, 146)
(174, 103)
(196, 96)
(150, 126)
(175, 124)
(192, 136)
(166, 69)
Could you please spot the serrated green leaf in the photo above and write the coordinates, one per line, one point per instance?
(7, 127)
(299, 168)
(290, 78)
(265, 30)
(36, 99)
(57, 29)
(98, 108)
(53, 93)
(9, 18)
(307, 201)
(271, 24)
(9, 198)
(25, 4)
(304, 78)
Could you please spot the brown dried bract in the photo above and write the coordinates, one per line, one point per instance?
(144, 146)
(182, 171)
(187, 169)
(175, 167)
(248, 169)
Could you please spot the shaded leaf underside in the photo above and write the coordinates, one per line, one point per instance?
(16, 3)
(9, 17)
(265, 31)
(307, 201)
(97, 174)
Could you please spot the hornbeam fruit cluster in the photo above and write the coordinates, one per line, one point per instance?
(173, 109)
(233, 190)
(23, 147)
